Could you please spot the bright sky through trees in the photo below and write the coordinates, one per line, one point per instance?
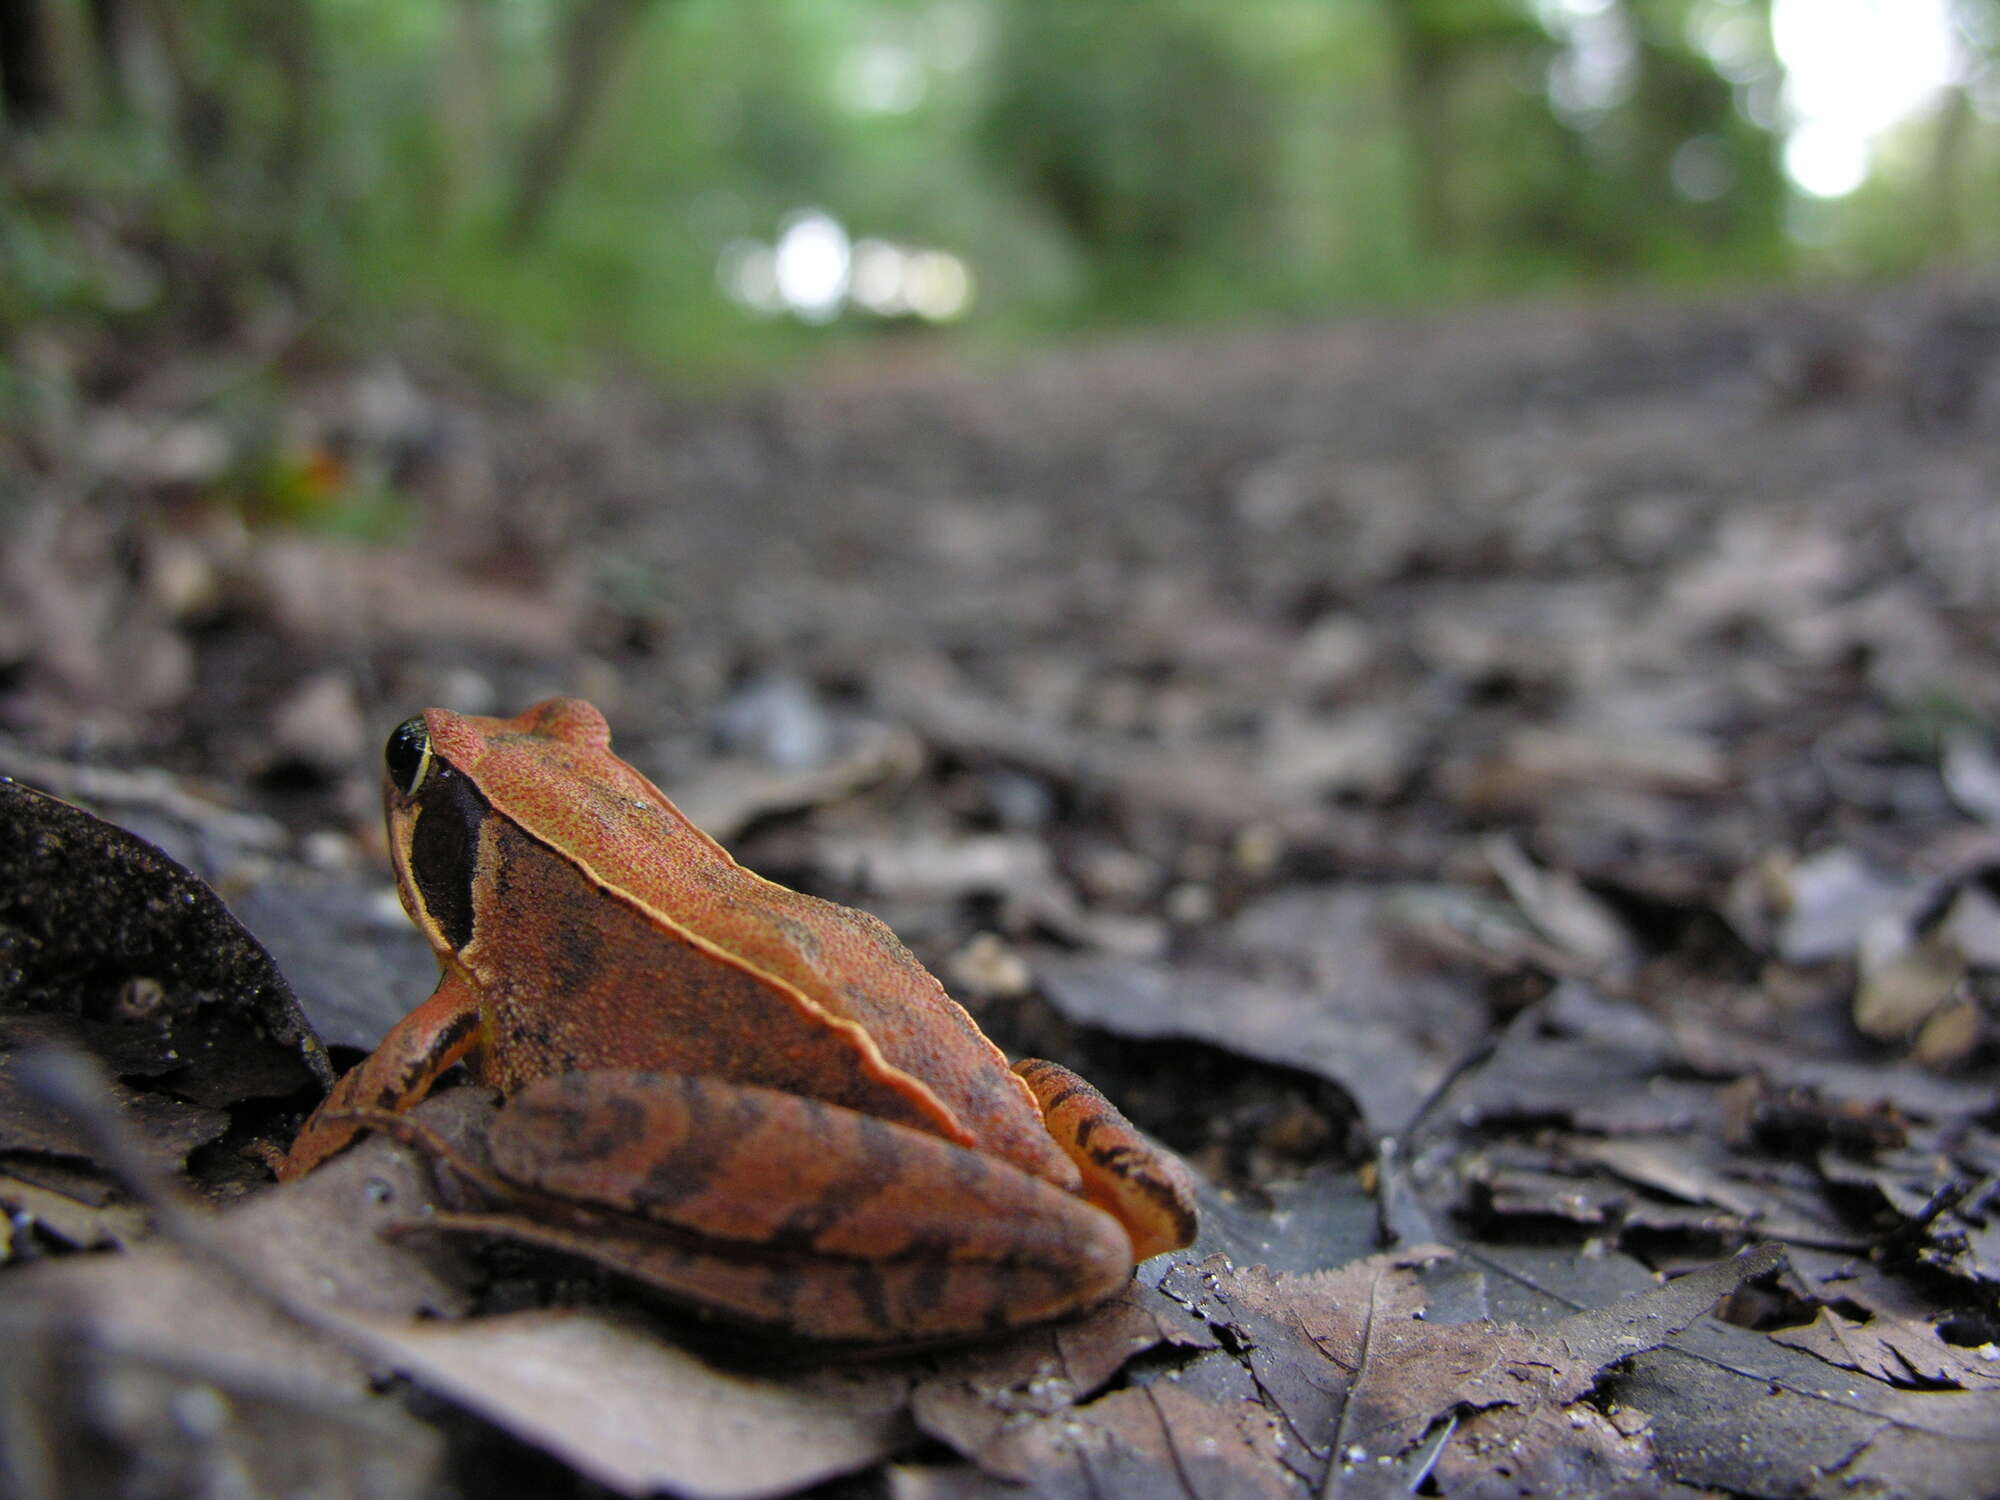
(1018, 168)
(1853, 70)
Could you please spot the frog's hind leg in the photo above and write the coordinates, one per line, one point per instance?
(775, 1209)
(1148, 1191)
(394, 1076)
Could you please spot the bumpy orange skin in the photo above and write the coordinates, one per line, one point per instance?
(807, 1068)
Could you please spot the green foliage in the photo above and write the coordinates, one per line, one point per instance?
(366, 162)
(1150, 166)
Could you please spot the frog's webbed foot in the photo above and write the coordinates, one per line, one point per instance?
(1145, 1188)
(394, 1076)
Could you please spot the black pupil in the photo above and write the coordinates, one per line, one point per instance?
(404, 754)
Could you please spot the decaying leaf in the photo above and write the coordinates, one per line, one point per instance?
(358, 964)
(975, 1401)
(731, 794)
(172, 1127)
(142, 959)
(638, 1414)
(1896, 1350)
(120, 1365)
(1326, 980)
(1742, 1412)
(1558, 904)
(1356, 1379)
(1971, 774)
(81, 1224)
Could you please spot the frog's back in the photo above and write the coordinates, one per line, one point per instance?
(736, 945)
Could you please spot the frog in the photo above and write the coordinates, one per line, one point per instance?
(753, 1100)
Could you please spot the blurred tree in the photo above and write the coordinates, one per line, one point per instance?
(1143, 131)
(593, 34)
(572, 172)
(29, 91)
(1666, 171)
(1951, 184)
(466, 97)
(1458, 66)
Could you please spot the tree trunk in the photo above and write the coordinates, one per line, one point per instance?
(467, 84)
(593, 38)
(30, 91)
(1946, 171)
(1420, 80)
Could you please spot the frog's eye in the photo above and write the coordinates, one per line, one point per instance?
(408, 755)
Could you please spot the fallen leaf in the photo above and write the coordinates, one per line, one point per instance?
(725, 796)
(144, 958)
(1899, 994)
(1737, 1410)
(357, 963)
(1971, 774)
(92, 1406)
(638, 1414)
(1900, 1351)
(171, 1127)
(1360, 1379)
(1318, 979)
(1562, 908)
(1829, 900)
(1194, 1431)
(975, 1399)
(81, 1225)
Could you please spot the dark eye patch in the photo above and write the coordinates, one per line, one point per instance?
(444, 847)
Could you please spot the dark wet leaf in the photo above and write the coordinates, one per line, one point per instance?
(1737, 1410)
(1311, 979)
(141, 958)
(171, 1126)
(358, 964)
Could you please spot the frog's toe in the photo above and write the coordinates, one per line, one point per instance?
(1148, 1190)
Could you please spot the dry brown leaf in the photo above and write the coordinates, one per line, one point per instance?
(979, 1395)
(1899, 994)
(725, 796)
(85, 1226)
(1898, 1350)
(638, 1414)
(315, 589)
(1193, 1432)
(1562, 908)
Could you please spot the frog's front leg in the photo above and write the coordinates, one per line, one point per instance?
(1126, 1175)
(792, 1213)
(394, 1076)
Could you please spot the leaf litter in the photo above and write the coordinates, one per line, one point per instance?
(1521, 786)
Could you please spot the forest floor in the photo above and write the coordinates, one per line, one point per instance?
(1511, 796)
